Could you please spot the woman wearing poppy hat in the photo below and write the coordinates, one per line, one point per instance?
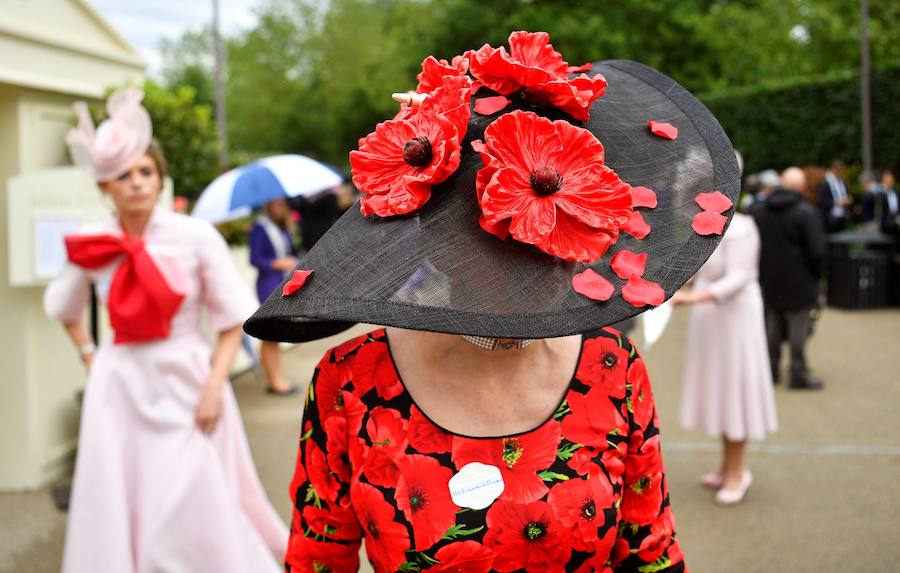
(514, 207)
(164, 480)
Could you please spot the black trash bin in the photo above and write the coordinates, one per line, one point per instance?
(860, 270)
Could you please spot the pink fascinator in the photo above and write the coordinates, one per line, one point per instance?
(110, 149)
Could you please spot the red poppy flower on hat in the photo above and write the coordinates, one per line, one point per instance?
(387, 431)
(434, 71)
(386, 539)
(396, 165)
(533, 67)
(423, 496)
(519, 459)
(424, 436)
(548, 180)
(578, 505)
(593, 417)
(339, 525)
(603, 363)
(660, 538)
(306, 555)
(373, 368)
(320, 476)
(449, 99)
(526, 536)
(463, 557)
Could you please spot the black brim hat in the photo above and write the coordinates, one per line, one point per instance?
(437, 268)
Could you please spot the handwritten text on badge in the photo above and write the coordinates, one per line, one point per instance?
(476, 486)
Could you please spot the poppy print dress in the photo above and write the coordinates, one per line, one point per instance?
(584, 491)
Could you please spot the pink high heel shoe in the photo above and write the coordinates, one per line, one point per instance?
(712, 480)
(736, 495)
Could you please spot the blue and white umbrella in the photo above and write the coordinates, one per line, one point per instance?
(236, 193)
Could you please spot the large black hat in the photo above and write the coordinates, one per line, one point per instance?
(436, 268)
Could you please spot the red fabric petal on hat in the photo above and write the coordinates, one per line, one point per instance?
(627, 264)
(663, 129)
(434, 70)
(639, 292)
(592, 285)
(500, 229)
(714, 202)
(490, 105)
(298, 279)
(636, 226)
(582, 68)
(643, 197)
(706, 223)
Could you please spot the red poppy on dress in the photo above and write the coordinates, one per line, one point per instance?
(306, 555)
(627, 264)
(621, 551)
(336, 445)
(386, 539)
(434, 71)
(641, 393)
(714, 202)
(424, 436)
(578, 505)
(299, 478)
(320, 476)
(592, 285)
(592, 419)
(636, 226)
(639, 292)
(423, 496)
(663, 129)
(526, 536)
(331, 399)
(387, 431)
(519, 459)
(298, 279)
(643, 197)
(600, 562)
(339, 525)
(539, 72)
(549, 182)
(490, 105)
(584, 462)
(396, 165)
(343, 349)
(603, 363)
(661, 533)
(374, 368)
(463, 557)
(706, 223)
(642, 495)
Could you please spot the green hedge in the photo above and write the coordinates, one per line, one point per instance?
(811, 122)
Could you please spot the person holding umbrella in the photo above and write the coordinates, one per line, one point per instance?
(496, 423)
(273, 253)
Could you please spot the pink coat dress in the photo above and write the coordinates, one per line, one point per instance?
(727, 378)
(151, 492)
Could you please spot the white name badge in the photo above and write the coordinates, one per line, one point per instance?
(476, 486)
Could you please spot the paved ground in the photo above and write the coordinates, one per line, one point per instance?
(826, 496)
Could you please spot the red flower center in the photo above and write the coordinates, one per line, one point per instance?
(321, 567)
(417, 151)
(512, 451)
(546, 181)
(534, 531)
(641, 486)
(609, 360)
(373, 529)
(588, 510)
(417, 499)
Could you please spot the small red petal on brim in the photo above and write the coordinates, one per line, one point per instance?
(627, 264)
(713, 202)
(643, 197)
(298, 279)
(636, 226)
(706, 223)
(490, 105)
(592, 285)
(663, 129)
(582, 68)
(639, 292)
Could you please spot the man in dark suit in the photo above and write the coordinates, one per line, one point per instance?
(791, 258)
(834, 201)
(880, 204)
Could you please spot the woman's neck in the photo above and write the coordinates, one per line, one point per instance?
(135, 224)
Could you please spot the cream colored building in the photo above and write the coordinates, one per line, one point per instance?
(52, 53)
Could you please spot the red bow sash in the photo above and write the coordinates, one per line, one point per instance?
(141, 303)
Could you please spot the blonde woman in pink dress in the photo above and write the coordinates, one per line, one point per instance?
(727, 379)
(164, 480)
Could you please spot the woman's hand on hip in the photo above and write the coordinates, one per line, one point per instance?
(209, 410)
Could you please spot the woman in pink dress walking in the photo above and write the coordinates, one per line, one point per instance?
(164, 479)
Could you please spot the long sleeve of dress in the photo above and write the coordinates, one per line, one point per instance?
(647, 529)
(741, 263)
(67, 295)
(227, 297)
(325, 533)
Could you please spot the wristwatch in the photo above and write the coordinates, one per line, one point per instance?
(86, 349)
